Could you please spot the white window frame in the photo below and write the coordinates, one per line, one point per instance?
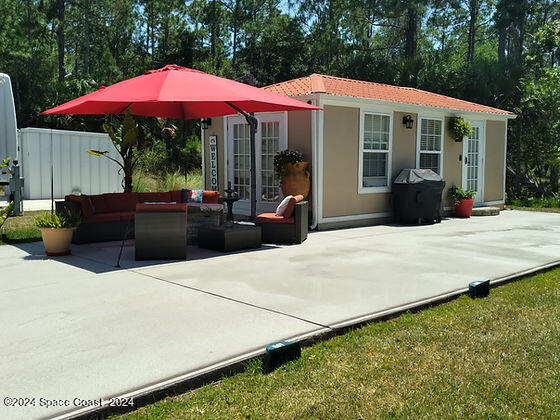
(419, 140)
(380, 189)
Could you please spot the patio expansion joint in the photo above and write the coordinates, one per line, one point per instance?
(274, 311)
(132, 270)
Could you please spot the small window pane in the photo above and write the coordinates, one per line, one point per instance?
(375, 169)
(430, 161)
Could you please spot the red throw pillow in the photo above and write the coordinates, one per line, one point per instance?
(210, 197)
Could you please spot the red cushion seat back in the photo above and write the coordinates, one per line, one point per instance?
(84, 201)
(155, 197)
(289, 212)
(114, 202)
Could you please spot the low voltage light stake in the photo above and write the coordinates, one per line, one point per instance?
(279, 353)
(479, 289)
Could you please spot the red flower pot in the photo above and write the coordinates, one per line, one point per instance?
(465, 208)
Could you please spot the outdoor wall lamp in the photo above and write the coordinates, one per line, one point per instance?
(408, 121)
(206, 122)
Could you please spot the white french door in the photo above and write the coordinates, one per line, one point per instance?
(473, 161)
(270, 138)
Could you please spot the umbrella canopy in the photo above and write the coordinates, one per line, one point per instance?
(181, 93)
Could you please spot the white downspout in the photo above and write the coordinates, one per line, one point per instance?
(314, 167)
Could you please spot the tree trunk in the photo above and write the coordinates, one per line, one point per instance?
(235, 32)
(502, 39)
(60, 40)
(86, 37)
(517, 72)
(410, 33)
(29, 46)
(409, 75)
(473, 16)
(213, 30)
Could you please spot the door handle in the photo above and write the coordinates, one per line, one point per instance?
(466, 161)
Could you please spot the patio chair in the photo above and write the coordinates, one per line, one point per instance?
(291, 228)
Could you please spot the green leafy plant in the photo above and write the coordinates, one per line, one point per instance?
(59, 219)
(5, 162)
(284, 157)
(126, 141)
(459, 128)
(459, 194)
(6, 212)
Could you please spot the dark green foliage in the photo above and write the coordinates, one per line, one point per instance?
(503, 53)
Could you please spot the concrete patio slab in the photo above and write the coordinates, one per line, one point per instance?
(342, 275)
(78, 327)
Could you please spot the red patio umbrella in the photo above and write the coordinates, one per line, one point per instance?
(182, 93)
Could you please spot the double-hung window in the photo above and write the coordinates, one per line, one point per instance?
(375, 148)
(430, 144)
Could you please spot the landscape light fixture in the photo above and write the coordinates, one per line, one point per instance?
(206, 122)
(408, 121)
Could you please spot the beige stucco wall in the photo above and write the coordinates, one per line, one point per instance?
(217, 128)
(404, 144)
(340, 166)
(494, 161)
(452, 165)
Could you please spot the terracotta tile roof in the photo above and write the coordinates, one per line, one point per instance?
(318, 83)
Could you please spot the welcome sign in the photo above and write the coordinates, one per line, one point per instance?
(213, 145)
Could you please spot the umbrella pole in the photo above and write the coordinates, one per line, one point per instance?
(253, 124)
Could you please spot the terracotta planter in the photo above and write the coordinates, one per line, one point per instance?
(57, 241)
(297, 181)
(465, 208)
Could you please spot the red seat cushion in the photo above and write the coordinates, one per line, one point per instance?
(109, 217)
(210, 197)
(272, 218)
(289, 212)
(141, 207)
(155, 197)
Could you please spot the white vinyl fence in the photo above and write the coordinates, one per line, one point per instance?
(74, 171)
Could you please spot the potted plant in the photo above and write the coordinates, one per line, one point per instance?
(459, 128)
(291, 170)
(462, 201)
(56, 230)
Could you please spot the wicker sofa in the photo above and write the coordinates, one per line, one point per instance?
(291, 228)
(109, 217)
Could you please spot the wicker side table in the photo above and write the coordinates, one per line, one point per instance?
(160, 231)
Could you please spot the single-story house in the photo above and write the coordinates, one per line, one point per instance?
(366, 133)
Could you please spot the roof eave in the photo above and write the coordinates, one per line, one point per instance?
(355, 99)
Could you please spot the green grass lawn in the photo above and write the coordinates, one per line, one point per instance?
(21, 228)
(494, 358)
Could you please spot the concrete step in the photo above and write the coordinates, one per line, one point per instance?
(485, 211)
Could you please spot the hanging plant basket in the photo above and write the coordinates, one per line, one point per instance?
(459, 128)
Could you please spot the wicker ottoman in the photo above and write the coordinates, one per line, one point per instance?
(226, 239)
(160, 231)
